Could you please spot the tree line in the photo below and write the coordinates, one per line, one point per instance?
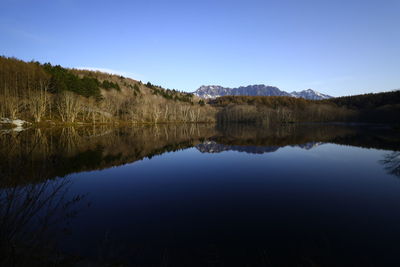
(381, 107)
(377, 107)
(277, 109)
(45, 93)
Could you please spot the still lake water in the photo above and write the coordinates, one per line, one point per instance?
(205, 195)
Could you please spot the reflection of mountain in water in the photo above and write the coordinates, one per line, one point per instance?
(214, 147)
(40, 154)
(310, 145)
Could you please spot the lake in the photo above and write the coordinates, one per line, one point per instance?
(201, 195)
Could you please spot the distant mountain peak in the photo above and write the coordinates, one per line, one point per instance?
(214, 91)
(310, 94)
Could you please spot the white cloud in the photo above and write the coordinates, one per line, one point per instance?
(112, 71)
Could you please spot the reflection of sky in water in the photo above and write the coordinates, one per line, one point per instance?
(340, 191)
(283, 188)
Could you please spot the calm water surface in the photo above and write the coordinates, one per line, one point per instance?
(205, 195)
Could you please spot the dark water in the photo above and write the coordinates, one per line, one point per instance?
(202, 195)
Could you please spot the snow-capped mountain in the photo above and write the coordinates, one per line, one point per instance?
(310, 94)
(213, 91)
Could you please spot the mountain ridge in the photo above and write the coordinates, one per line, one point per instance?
(214, 91)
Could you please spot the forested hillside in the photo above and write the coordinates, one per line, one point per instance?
(273, 109)
(379, 107)
(50, 94)
(45, 93)
(376, 108)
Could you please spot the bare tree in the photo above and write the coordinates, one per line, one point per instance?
(12, 103)
(156, 113)
(38, 102)
(166, 112)
(27, 215)
(184, 110)
(68, 106)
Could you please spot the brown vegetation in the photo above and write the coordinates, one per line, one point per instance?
(379, 107)
(42, 93)
(39, 93)
(273, 109)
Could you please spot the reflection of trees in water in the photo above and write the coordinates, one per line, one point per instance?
(48, 153)
(391, 161)
(30, 219)
(29, 213)
(279, 135)
(69, 139)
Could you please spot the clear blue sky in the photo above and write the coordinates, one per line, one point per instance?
(336, 47)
